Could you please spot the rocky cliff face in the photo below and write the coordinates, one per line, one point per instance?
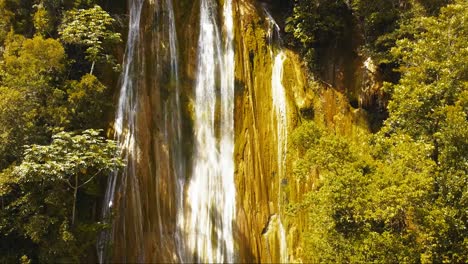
(256, 145)
(144, 210)
(145, 223)
(255, 152)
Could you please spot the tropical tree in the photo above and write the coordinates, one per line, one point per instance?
(32, 100)
(430, 104)
(71, 159)
(90, 28)
(87, 102)
(368, 198)
(41, 194)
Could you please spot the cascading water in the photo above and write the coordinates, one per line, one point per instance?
(280, 107)
(125, 125)
(211, 191)
(175, 125)
(279, 102)
(138, 203)
(227, 133)
(148, 126)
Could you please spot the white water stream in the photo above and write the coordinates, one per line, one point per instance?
(204, 218)
(280, 108)
(279, 103)
(125, 185)
(125, 126)
(176, 139)
(211, 191)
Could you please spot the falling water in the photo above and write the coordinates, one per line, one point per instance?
(125, 126)
(227, 134)
(272, 31)
(279, 105)
(211, 191)
(134, 202)
(176, 145)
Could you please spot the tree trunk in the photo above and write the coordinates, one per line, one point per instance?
(92, 68)
(75, 192)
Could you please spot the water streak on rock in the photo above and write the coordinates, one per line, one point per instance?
(211, 191)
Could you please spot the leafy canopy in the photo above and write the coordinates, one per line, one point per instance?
(367, 199)
(90, 28)
(69, 154)
(399, 195)
(45, 193)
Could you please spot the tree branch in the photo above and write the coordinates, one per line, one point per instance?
(92, 177)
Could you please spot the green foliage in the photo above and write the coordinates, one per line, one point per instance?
(32, 103)
(434, 68)
(15, 15)
(380, 20)
(17, 119)
(33, 66)
(25, 260)
(42, 21)
(37, 101)
(400, 196)
(90, 28)
(68, 155)
(31, 63)
(50, 189)
(316, 22)
(380, 23)
(43, 191)
(5, 22)
(87, 101)
(368, 199)
(430, 103)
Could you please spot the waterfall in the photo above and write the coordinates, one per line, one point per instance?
(138, 203)
(279, 103)
(175, 123)
(280, 109)
(125, 125)
(148, 127)
(211, 191)
(227, 133)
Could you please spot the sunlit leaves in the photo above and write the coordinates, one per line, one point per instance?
(67, 155)
(42, 92)
(31, 102)
(429, 103)
(87, 101)
(42, 21)
(90, 28)
(39, 193)
(435, 71)
(31, 63)
(369, 197)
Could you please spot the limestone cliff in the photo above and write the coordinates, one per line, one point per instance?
(145, 209)
(256, 146)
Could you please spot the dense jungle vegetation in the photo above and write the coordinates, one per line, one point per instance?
(398, 195)
(54, 104)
